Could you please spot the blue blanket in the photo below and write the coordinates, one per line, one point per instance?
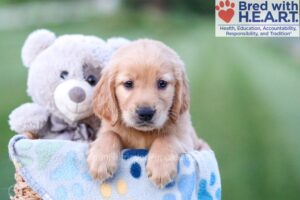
(57, 170)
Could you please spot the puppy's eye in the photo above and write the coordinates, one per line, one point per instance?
(92, 80)
(161, 84)
(64, 74)
(128, 84)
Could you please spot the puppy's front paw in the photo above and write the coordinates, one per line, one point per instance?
(102, 165)
(161, 170)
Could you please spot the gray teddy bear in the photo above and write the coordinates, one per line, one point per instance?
(63, 72)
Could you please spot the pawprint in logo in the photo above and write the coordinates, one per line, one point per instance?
(225, 10)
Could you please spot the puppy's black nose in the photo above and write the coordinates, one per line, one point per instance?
(145, 113)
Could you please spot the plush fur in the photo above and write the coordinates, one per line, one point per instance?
(63, 72)
(169, 133)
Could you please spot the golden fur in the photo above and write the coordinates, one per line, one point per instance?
(169, 134)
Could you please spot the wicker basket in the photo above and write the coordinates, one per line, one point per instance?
(21, 189)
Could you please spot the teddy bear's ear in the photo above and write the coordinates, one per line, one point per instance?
(117, 42)
(35, 43)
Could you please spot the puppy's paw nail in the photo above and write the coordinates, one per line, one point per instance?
(149, 173)
(102, 176)
(111, 172)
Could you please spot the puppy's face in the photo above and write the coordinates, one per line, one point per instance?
(145, 93)
(143, 87)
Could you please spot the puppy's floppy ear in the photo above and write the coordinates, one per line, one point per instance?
(35, 43)
(182, 97)
(105, 102)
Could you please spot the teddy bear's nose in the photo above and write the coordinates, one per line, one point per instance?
(77, 94)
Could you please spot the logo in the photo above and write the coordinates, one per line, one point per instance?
(257, 18)
(225, 10)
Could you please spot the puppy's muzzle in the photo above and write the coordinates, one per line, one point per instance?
(145, 114)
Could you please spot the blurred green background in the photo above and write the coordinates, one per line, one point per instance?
(245, 92)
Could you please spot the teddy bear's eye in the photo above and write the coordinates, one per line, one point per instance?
(64, 74)
(92, 80)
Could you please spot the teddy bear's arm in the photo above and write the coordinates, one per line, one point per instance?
(29, 117)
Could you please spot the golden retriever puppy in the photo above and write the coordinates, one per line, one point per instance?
(143, 100)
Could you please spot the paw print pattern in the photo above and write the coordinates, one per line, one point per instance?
(77, 190)
(225, 10)
(106, 190)
(169, 197)
(186, 186)
(45, 151)
(185, 182)
(129, 153)
(135, 168)
(204, 194)
(68, 170)
(61, 193)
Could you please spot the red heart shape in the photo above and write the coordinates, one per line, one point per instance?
(226, 15)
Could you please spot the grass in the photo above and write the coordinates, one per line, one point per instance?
(245, 98)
